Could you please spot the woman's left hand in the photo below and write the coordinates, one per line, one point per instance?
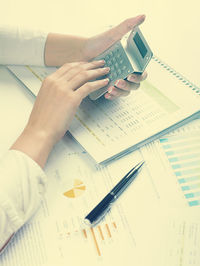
(97, 44)
(124, 87)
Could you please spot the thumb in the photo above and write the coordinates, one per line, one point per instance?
(117, 32)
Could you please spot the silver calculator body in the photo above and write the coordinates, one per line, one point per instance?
(129, 55)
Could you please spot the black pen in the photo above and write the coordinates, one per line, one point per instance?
(104, 206)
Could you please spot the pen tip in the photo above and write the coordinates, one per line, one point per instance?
(87, 222)
(140, 164)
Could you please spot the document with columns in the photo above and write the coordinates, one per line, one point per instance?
(108, 129)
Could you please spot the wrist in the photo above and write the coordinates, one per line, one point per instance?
(36, 144)
(62, 48)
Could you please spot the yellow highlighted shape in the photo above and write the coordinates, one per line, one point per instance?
(76, 191)
(77, 182)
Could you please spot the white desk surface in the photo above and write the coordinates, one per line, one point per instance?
(15, 106)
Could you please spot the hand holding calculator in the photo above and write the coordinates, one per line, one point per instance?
(129, 55)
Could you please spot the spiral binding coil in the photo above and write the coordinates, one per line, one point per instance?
(178, 76)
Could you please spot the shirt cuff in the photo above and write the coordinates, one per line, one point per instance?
(22, 46)
(36, 169)
(23, 183)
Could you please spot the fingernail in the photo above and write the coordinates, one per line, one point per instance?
(144, 76)
(120, 83)
(131, 78)
(114, 92)
(142, 18)
(102, 62)
(106, 80)
(110, 90)
(107, 96)
(106, 69)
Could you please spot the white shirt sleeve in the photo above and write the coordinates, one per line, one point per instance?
(21, 46)
(22, 185)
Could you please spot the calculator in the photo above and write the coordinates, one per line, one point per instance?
(128, 55)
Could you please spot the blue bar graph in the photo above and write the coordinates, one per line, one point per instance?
(187, 172)
(194, 203)
(182, 151)
(189, 179)
(183, 154)
(192, 195)
(184, 157)
(190, 187)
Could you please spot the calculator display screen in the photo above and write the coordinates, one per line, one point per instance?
(140, 45)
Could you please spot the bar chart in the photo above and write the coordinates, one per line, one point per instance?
(100, 235)
(183, 154)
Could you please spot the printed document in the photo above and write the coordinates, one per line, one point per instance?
(107, 129)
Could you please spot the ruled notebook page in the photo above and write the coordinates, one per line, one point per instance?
(105, 128)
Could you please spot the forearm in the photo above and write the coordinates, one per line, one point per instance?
(23, 47)
(62, 48)
(55, 106)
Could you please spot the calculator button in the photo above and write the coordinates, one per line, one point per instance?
(113, 60)
(116, 65)
(126, 72)
(114, 74)
(119, 71)
(112, 68)
(107, 57)
(111, 54)
(116, 52)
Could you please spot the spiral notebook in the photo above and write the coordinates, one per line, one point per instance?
(110, 129)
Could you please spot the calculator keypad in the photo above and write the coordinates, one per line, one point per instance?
(118, 62)
(120, 67)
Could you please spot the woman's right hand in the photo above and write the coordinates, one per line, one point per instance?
(56, 104)
(60, 95)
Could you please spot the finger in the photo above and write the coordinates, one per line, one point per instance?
(126, 86)
(137, 78)
(89, 87)
(117, 92)
(73, 71)
(65, 68)
(113, 93)
(87, 75)
(117, 32)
